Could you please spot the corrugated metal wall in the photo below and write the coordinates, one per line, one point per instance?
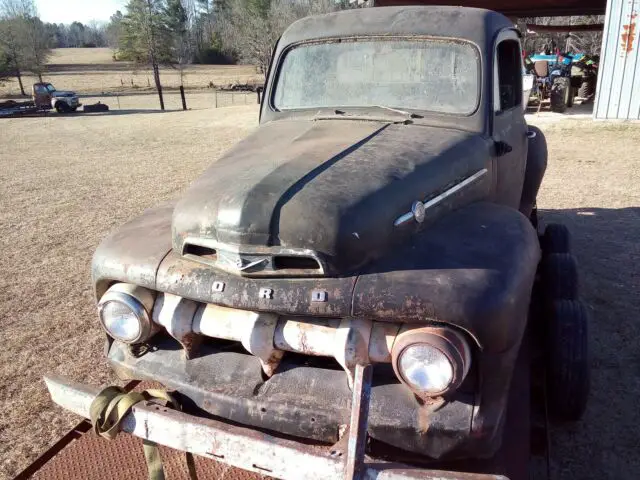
(618, 90)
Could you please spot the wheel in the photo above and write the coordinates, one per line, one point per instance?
(62, 107)
(567, 369)
(588, 87)
(560, 94)
(559, 277)
(572, 94)
(556, 239)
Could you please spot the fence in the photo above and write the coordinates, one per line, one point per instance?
(229, 99)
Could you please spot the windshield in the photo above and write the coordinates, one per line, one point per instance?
(50, 88)
(432, 75)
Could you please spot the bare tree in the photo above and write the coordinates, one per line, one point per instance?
(250, 29)
(24, 39)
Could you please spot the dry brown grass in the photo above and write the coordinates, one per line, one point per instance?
(66, 181)
(93, 71)
(81, 56)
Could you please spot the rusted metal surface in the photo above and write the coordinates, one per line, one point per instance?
(238, 446)
(628, 35)
(351, 346)
(314, 336)
(357, 437)
(448, 341)
(175, 314)
(267, 336)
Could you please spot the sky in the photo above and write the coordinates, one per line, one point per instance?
(68, 11)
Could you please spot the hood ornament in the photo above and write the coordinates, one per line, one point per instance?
(235, 261)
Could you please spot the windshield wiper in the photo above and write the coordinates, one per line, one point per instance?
(397, 110)
(337, 111)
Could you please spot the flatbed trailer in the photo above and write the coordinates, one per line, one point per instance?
(11, 109)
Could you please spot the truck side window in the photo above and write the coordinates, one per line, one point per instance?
(40, 89)
(508, 74)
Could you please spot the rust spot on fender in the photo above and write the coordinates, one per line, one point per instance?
(629, 34)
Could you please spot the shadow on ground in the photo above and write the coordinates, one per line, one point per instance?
(605, 242)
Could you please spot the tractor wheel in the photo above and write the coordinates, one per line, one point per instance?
(559, 277)
(567, 369)
(556, 239)
(62, 107)
(588, 87)
(560, 93)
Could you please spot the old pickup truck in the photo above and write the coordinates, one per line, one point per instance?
(44, 97)
(360, 287)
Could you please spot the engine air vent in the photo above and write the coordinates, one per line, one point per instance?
(200, 251)
(293, 262)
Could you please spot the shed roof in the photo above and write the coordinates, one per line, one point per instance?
(519, 8)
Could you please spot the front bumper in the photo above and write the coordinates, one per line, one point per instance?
(307, 398)
(255, 451)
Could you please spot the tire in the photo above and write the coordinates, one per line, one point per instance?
(560, 93)
(567, 369)
(62, 107)
(559, 277)
(556, 239)
(588, 87)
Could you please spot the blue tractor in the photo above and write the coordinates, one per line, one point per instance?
(553, 79)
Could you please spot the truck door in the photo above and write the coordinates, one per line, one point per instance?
(509, 126)
(41, 96)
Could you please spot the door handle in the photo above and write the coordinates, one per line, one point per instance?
(502, 148)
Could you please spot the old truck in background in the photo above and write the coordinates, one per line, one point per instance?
(44, 97)
(360, 288)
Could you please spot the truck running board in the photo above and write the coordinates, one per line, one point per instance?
(256, 451)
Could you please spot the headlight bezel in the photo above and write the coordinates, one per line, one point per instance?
(451, 343)
(137, 299)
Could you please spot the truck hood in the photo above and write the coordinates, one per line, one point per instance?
(330, 188)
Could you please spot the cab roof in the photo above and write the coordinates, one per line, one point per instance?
(472, 24)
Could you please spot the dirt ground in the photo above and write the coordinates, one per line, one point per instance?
(66, 181)
(93, 71)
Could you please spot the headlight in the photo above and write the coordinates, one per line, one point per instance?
(431, 361)
(125, 313)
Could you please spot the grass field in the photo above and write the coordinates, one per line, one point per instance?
(93, 71)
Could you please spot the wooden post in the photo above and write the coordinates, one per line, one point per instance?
(216, 99)
(184, 100)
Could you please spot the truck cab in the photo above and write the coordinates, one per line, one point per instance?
(45, 96)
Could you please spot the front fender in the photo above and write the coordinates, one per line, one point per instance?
(474, 269)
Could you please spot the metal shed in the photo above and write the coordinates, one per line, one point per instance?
(618, 90)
